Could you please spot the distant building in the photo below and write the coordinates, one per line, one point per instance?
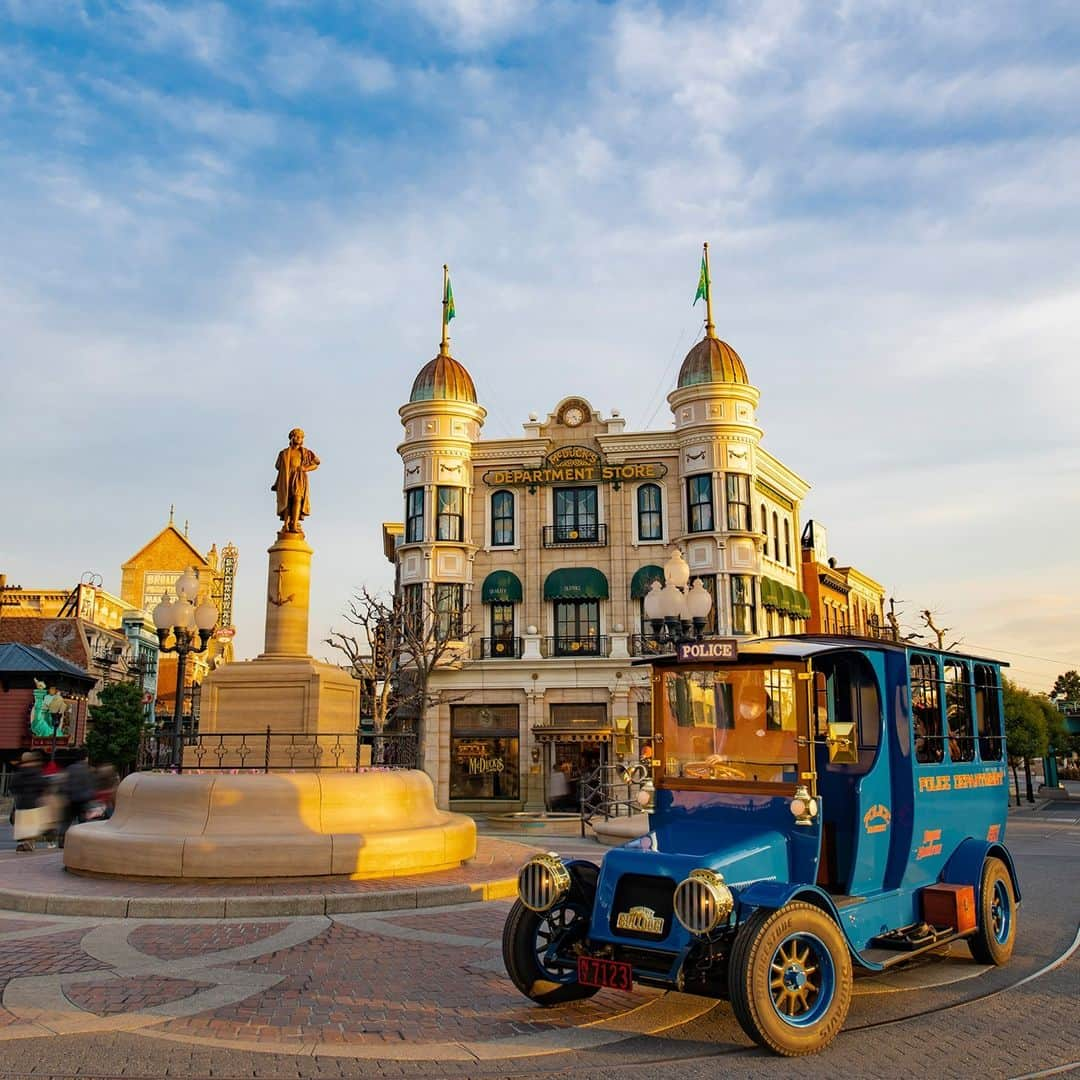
(150, 576)
(843, 600)
(87, 627)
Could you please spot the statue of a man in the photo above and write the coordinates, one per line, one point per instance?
(293, 464)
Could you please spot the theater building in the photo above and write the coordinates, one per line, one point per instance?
(536, 552)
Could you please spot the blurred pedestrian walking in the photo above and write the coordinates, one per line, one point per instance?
(78, 788)
(28, 788)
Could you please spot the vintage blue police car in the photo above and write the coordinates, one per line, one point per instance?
(821, 803)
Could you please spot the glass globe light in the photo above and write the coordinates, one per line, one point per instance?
(184, 614)
(654, 601)
(163, 614)
(684, 606)
(699, 600)
(206, 615)
(187, 586)
(672, 600)
(676, 570)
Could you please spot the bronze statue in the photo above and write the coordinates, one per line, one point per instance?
(293, 464)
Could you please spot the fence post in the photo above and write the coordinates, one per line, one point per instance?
(266, 760)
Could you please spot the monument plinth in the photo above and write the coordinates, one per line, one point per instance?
(283, 688)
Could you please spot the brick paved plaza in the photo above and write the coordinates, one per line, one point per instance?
(422, 991)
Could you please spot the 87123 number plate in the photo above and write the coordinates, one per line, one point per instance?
(612, 974)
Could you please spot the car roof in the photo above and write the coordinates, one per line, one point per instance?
(805, 646)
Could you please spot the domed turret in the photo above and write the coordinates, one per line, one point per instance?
(712, 361)
(443, 379)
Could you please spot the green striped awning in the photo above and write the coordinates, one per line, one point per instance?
(787, 599)
(643, 578)
(501, 587)
(579, 583)
(769, 596)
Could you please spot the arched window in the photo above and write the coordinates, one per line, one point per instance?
(787, 542)
(649, 517)
(775, 537)
(502, 519)
(765, 529)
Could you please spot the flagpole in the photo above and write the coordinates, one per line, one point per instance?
(444, 347)
(710, 330)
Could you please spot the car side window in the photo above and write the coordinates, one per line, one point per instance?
(988, 713)
(926, 710)
(846, 692)
(960, 732)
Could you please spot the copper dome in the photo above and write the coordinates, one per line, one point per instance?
(712, 361)
(443, 379)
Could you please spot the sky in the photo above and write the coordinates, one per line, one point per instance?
(219, 221)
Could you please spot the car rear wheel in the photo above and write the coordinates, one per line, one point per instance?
(538, 950)
(789, 979)
(995, 934)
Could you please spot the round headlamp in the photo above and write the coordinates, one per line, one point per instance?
(543, 881)
(703, 901)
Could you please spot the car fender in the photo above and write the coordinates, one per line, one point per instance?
(966, 862)
(772, 895)
(584, 876)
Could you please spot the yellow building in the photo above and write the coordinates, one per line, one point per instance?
(536, 552)
(150, 576)
(843, 600)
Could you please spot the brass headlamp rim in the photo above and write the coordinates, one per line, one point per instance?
(551, 862)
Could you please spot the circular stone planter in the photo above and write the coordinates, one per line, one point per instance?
(275, 825)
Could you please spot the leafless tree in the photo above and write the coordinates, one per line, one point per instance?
(395, 647)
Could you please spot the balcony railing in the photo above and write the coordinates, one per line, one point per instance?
(644, 645)
(500, 648)
(591, 645)
(575, 535)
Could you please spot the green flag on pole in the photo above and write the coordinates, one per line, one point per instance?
(703, 284)
(449, 300)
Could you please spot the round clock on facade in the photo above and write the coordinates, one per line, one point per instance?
(573, 416)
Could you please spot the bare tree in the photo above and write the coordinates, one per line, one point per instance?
(938, 631)
(398, 642)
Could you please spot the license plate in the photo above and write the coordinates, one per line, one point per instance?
(613, 974)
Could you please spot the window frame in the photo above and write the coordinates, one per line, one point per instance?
(987, 713)
(959, 737)
(776, 536)
(414, 516)
(577, 607)
(451, 617)
(787, 542)
(654, 512)
(451, 517)
(499, 519)
(745, 606)
(695, 508)
(739, 501)
(578, 522)
(932, 751)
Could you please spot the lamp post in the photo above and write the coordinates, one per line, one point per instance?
(677, 611)
(183, 620)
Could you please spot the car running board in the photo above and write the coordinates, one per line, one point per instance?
(894, 948)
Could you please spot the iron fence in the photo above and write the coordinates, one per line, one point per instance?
(270, 751)
(590, 645)
(614, 791)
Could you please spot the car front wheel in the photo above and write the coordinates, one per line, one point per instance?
(789, 979)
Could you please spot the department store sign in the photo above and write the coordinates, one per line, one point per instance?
(576, 465)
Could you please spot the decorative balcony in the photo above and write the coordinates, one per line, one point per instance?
(594, 535)
(574, 647)
(501, 648)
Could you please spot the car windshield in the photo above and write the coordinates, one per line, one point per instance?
(733, 724)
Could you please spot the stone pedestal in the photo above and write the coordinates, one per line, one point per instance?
(288, 592)
(283, 688)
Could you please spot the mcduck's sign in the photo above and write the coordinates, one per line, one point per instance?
(575, 465)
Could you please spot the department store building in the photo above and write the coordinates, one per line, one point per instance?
(536, 553)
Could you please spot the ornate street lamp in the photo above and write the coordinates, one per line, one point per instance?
(182, 619)
(675, 611)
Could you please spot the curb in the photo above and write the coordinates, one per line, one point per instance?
(237, 907)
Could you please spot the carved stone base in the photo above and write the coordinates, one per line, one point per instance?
(297, 694)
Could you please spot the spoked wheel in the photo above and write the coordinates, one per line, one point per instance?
(995, 934)
(538, 950)
(790, 979)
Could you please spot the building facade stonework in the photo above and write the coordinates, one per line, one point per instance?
(536, 553)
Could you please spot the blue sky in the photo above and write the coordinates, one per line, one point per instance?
(222, 220)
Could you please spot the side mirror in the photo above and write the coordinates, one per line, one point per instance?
(843, 749)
